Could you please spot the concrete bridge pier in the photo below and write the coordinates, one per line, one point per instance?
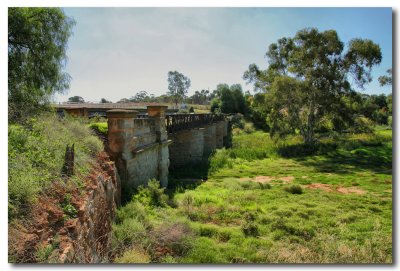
(219, 134)
(210, 141)
(187, 146)
(139, 146)
(158, 113)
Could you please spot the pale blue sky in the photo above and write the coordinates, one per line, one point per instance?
(116, 52)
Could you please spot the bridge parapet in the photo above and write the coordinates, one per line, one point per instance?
(178, 122)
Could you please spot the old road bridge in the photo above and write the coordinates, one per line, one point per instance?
(145, 146)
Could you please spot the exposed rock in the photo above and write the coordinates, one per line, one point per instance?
(82, 238)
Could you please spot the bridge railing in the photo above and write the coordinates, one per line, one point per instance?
(178, 122)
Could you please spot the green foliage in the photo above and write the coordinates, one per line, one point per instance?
(43, 253)
(230, 100)
(242, 214)
(237, 121)
(76, 99)
(250, 227)
(151, 195)
(219, 160)
(315, 57)
(37, 41)
(215, 105)
(294, 189)
(133, 255)
(36, 155)
(385, 80)
(68, 209)
(101, 127)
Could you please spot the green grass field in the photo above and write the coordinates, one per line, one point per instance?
(265, 202)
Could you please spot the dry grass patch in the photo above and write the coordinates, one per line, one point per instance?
(268, 179)
(348, 190)
(331, 188)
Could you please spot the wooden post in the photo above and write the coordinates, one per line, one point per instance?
(68, 168)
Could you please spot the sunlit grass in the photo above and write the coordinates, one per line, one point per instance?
(236, 218)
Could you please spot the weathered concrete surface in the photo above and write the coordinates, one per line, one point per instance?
(210, 142)
(139, 146)
(142, 148)
(187, 146)
(219, 134)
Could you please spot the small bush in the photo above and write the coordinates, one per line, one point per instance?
(134, 255)
(250, 227)
(176, 235)
(294, 189)
(219, 160)
(237, 121)
(100, 127)
(151, 195)
(130, 231)
(248, 128)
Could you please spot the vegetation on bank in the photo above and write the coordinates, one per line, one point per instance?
(36, 152)
(271, 203)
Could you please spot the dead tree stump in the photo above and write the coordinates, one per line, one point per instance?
(68, 168)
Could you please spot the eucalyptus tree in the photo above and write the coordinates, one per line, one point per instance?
(307, 76)
(37, 42)
(178, 85)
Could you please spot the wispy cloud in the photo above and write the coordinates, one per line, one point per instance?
(116, 52)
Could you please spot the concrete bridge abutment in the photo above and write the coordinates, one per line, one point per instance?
(139, 146)
(143, 149)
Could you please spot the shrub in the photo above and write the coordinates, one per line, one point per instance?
(248, 128)
(151, 195)
(237, 121)
(219, 160)
(130, 231)
(173, 238)
(100, 127)
(294, 189)
(132, 210)
(215, 105)
(362, 125)
(134, 255)
(250, 227)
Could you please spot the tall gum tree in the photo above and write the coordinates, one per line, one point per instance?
(308, 75)
(178, 85)
(37, 42)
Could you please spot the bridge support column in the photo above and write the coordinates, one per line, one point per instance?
(158, 113)
(121, 141)
(187, 146)
(219, 134)
(210, 141)
(227, 134)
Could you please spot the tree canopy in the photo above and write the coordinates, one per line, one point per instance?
(307, 77)
(76, 99)
(229, 99)
(37, 42)
(178, 85)
(386, 80)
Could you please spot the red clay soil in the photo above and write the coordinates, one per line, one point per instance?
(46, 219)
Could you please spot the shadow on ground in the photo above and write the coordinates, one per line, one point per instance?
(187, 176)
(342, 160)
